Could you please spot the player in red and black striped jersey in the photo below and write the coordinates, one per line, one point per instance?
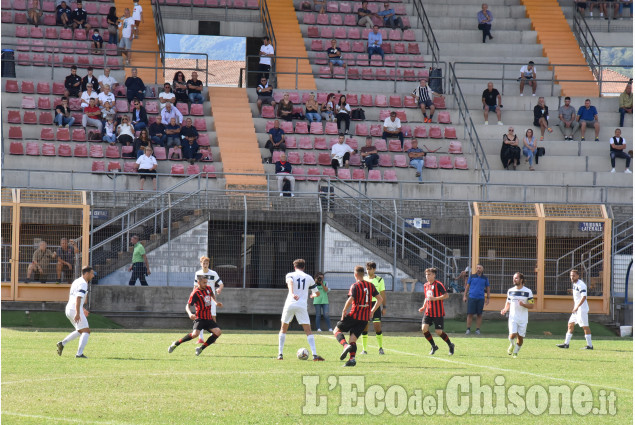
(202, 298)
(433, 311)
(360, 298)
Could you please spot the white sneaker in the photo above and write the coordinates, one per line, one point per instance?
(500, 123)
(533, 94)
(281, 194)
(522, 94)
(319, 330)
(330, 329)
(612, 170)
(292, 195)
(627, 171)
(486, 123)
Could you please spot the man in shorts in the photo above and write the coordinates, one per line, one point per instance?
(127, 28)
(580, 312)
(528, 76)
(265, 95)
(588, 115)
(424, 96)
(433, 310)
(476, 286)
(519, 300)
(76, 313)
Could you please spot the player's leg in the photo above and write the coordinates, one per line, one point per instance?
(513, 330)
(583, 322)
(303, 318)
(480, 303)
(286, 318)
(569, 335)
(438, 328)
(341, 327)
(188, 337)
(356, 331)
(520, 336)
(378, 333)
(215, 332)
(365, 339)
(70, 314)
(425, 328)
(83, 340)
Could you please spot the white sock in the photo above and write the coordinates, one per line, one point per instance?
(511, 341)
(83, 340)
(588, 340)
(311, 340)
(281, 338)
(516, 348)
(202, 335)
(71, 336)
(567, 338)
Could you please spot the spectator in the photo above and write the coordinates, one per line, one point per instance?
(276, 138)
(567, 116)
(581, 6)
(335, 56)
(147, 167)
(265, 94)
(485, 19)
(170, 112)
(73, 83)
(65, 260)
(173, 132)
(140, 267)
(125, 44)
(34, 13)
(392, 128)
(364, 16)
(90, 78)
(328, 108)
(629, 4)
(510, 151)
(321, 3)
(312, 109)
(529, 148)
(341, 154)
(180, 88)
(40, 265)
(588, 115)
(110, 128)
(157, 133)
(188, 132)
(283, 172)
(137, 14)
(416, 158)
(139, 119)
(135, 87)
(374, 44)
(528, 75)
(618, 146)
(390, 17)
(63, 116)
(321, 303)
(108, 111)
(285, 108)
(105, 78)
(604, 10)
(79, 18)
(89, 94)
(266, 53)
(626, 103)
(370, 157)
(189, 149)
(166, 96)
(491, 103)
(125, 132)
(343, 113)
(98, 42)
(106, 96)
(195, 89)
(92, 115)
(113, 23)
(63, 15)
(423, 95)
(541, 117)
(476, 287)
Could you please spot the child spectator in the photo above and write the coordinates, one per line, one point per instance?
(137, 14)
(98, 42)
(109, 136)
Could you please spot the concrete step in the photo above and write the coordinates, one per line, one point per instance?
(441, 22)
(527, 51)
(475, 36)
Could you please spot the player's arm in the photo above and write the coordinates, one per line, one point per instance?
(221, 285)
(379, 299)
(488, 293)
(290, 286)
(506, 308)
(529, 304)
(440, 298)
(382, 294)
(314, 291)
(189, 312)
(78, 306)
(467, 290)
(348, 303)
(577, 306)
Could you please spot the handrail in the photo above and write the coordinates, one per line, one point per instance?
(590, 49)
(431, 40)
(158, 22)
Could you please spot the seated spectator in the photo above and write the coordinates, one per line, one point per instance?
(127, 28)
(189, 132)
(105, 96)
(125, 132)
(321, 4)
(166, 96)
(98, 42)
(92, 115)
(364, 16)
(173, 133)
(626, 103)
(135, 87)
(89, 94)
(285, 108)
(341, 154)
(374, 44)
(327, 108)
(142, 142)
(105, 78)
(147, 168)
(581, 6)
(343, 113)
(618, 147)
(109, 131)
(568, 123)
(195, 89)
(90, 78)
(157, 133)
(392, 128)
(63, 116)
(40, 265)
(627, 3)
(312, 109)
(510, 151)
(541, 117)
(528, 75)
(189, 149)
(370, 157)
(108, 111)
(529, 148)
(283, 171)
(335, 56)
(390, 17)
(170, 112)
(485, 19)
(604, 10)
(180, 88)
(65, 260)
(79, 18)
(491, 103)
(416, 158)
(63, 15)
(424, 95)
(588, 115)
(73, 83)
(265, 95)
(113, 23)
(34, 14)
(276, 140)
(139, 117)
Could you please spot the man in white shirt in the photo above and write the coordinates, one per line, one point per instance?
(528, 75)
(618, 150)
(580, 312)
(519, 300)
(76, 313)
(137, 15)
(266, 53)
(392, 128)
(147, 167)
(105, 96)
(170, 112)
(89, 94)
(166, 96)
(341, 154)
(107, 79)
(127, 26)
(298, 284)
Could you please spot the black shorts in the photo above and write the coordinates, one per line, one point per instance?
(204, 325)
(377, 315)
(356, 327)
(147, 173)
(437, 321)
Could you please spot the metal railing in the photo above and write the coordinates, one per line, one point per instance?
(590, 49)
(158, 22)
(431, 40)
(612, 20)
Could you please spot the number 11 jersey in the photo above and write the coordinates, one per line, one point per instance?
(302, 282)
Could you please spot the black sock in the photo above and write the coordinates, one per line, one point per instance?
(353, 350)
(428, 336)
(445, 337)
(365, 333)
(212, 339)
(340, 338)
(378, 333)
(186, 338)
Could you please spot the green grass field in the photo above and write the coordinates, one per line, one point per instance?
(129, 378)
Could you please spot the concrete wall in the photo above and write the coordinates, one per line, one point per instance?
(227, 29)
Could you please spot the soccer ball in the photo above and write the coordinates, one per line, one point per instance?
(303, 354)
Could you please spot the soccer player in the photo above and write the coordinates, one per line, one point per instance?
(76, 313)
(357, 319)
(381, 288)
(202, 298)
(212, 280)
(433, 310)
(299, 284)
(519, 300)
(580, 312)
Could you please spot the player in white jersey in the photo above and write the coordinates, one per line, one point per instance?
(580, 312)
(519, 300)
(212, 280)
(76, 313)
(299, 284)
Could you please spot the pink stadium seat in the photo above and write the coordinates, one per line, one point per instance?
(96, 151)
(28, 87)
(28, 102)
(394, 146)
(79, 34)
(268, 126)
(460, 163)
(401, 114)
(32, 148)
(126, 152)
(308, 19)
(290, 142)
(381, 75)
(317, 45)
(445, 162)
(390, 176)
(294, 158)
(112, 152)
(47, 134)
(252, 4)
(79, 135)
(48, 149)
(339, 73)
(196, 109)
(302, 127)
(385, 160)
(418, 62)
(209, 171)
(324, 159)
(309, 158)
(383, 114)
(332, 142)
(409, 75)
(389, 60)
(320, 143)
(298, 173)
(129, 167)
(340, 32)
(21, 31)
(323, 19)
(409, 102)
(353, 34)
(313, 174)
(395, 101)
(401, 161)
(11, 86)
(122, 105)
(399, 48)
(344, 174)
(80, 151)
(358, 174)
(58, 88)
(193, 169)
(75, 104)
(313, 32)
(175, 155)
(395, 75)
(44, 103)
(380, 145)
(394, 35)
(64, 150)
(29, 117)
(331, 128)
(177, 170)
(352, 100)
(444, 117)
(413, 49)
(407, 130)
(15, 133)
(355, 161)
(182, 107)
(376, 130)
(206, 155)
(159, 153)
(7, 18)
(316, 128)
(98, 62)
(81, 48)
(328, 172)
(439, 102)
(287, 126)
(305, 143)
(14, 117)
(268, 111)
(449, 133)
(99, 167)
(48, 20)
(387, 48)
(16, 148)
(430, 161)
(361, 130)
(78, 119)
(350, 21)
(374, 175)
(358, 47)
(409, 35)
(353, 73)
(352, 142)
(435, 132)
(199, 123)
(455, 147)
(332, 7)
(381, 101)
(66, 33)
(367, 74)
(43, 88)
(362, 60)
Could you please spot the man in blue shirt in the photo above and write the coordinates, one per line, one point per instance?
(374, 44)
(476, 286)
(390, 17)
(276, 138)
(588, 115)
(415, 154)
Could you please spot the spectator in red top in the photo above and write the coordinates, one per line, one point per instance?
(92, 115)
(433, 310)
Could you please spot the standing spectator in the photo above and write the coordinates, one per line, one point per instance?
(276, 138)
(364, 15)
(476, 286)
(265, 95)
(626, 103)
(63, 116)
(541, 117)
(125, 132)
(343, 113)
(266, 53)
(416, 156)
(73, 83)
(139, 119)
(113, 23)
(341, 154)
(89, 94)
(312, 109)
(567, 116)
(140, 267)
(321, 302)
(98, 42)
(510, 151)
(485, 19)
(157, 133)
(105, 96)
(528, 75)
(370, 157)
(335, 56)
(90, 78)
(40, 265)
(63, 15)
(529, 147)
(189, 150)
(34, 13)
(127, 24)
(147, 167)
(392, 128)
(285, 108)
(195, 89)
(65, 260)
(137, 14)
(92, 115)
(283, 172)
(423, 95)
(166, 96)
(618, 146)
(390, 17)
(180, 87)
(588, 115)
(79, 18)
(170, 112)
(110, 128)
(327, 108)
(105, 78)
(135, 87)
(374, 44)
(173, 131)
(492, 102)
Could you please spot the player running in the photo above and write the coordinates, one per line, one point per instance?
(359, 299)
(519, 300)
(202, 298)
(580, 312)
(76, 313)
(299, 284)
(381, 288)
(433, 310)
(212, 281)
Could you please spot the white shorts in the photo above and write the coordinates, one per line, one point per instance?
(517, 328)
(580, 317)
(83, 321)
(213, 308)
(301, 314)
